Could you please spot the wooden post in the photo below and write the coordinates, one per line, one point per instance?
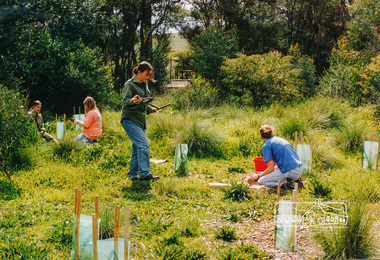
(64, 118)
(301, 137)
(97, 206)
(95, 235)
(77, 215)
(311, 154)
(116, 231)
(275, 225)
(56, 119)
(126, 234)
(79, 109)
(74, 110)
(295, 140)
(293, 227)
(278, 191)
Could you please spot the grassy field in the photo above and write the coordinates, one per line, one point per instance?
(180, 217)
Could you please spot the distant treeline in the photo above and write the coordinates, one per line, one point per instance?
(60, 51)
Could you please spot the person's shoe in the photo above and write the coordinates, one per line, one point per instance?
(300, 183)
(150, 177)
(289, 184)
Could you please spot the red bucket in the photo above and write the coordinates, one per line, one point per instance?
(259, 163)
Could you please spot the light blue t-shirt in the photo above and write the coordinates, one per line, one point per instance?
(282, 153)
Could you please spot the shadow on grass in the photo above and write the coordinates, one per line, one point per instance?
(9, 190)
(138, 191)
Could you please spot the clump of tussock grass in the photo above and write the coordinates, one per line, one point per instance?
(319, 188)
(65, 148)
(237, 192)
(359, 184)
(168, 252)
(277, 109)
(226, 233)
(325, 154)
(349, 138)
(324, 113)
(256, 120)
(195, 254)
(166, 187)
(161, 125)
(356, 240)
(233, 111)
(202, 140)
(107, 225)
(291, 123)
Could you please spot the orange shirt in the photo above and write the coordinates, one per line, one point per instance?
(92, 124)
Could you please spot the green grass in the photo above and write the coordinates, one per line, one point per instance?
(177, 217)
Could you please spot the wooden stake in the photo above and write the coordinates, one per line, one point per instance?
(64, 119)
(77, 214)
(293, 228)
(117, 223)
(56, 118)
(311, 154)
(295, 140)
(371, 137)
(74, 110)
(79, 109)
(97, 206)
(278, 191)
(126, 234)
(95, 235)
(116, 231)
(275, 225)
(301, 137)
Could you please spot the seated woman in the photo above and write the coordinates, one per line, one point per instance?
(92, 123)
(278, 151)
(37, 117)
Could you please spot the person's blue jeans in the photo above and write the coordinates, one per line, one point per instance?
(139, 163)
(84, 139)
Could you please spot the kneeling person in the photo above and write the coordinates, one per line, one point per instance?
(278, 151)
(92, 123)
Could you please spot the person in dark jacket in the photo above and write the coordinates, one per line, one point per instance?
(37, 117)
(133, 120)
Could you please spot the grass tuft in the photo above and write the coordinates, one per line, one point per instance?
(237, 192)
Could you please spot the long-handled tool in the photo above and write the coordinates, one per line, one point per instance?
(158, 108)
(150, 99)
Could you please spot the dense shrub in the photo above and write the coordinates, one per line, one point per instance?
(347, 77)
(307, 77)
(211, 48)
(200, 94)
(16, 130)
(266, 78)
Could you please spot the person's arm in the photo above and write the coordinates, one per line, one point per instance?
(87, 121)
(270, 168)
(129, 99)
